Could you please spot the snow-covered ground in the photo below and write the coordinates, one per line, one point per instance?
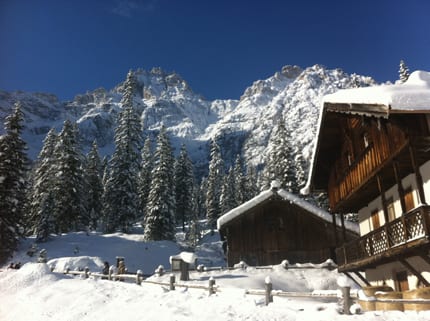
(34, 293)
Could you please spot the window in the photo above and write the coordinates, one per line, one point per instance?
(409, 199)
(390, 209)
(375, 219)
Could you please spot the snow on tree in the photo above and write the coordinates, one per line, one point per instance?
(214, 184)
(228, 192)
(68, 186)
(184, 186)
(94, 189)
(201, 198)
(13, 168)
(145, 174)
(251, 183)
(159, 220)
(40, 220)
(403, 71)
(121, 200)
(279, 165)
(239, 182)
(193, 234)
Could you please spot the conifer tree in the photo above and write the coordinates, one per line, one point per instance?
(201, 197)
(160, 209)
(184, 186)
(279, 165)
(121, 201)
(41, 221)
(145, 174)
(251, 183)
(403, 71)
(68, 186)
(239, 182)
(214, 184)
(13, 169)
(94, 191)
(193, 234)
(228, 192)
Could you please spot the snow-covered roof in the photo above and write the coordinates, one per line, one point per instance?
(286, 196)
(413, 95)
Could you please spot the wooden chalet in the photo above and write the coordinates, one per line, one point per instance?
(277, 225)
(372, 156)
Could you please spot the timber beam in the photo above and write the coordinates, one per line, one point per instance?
(414, 272)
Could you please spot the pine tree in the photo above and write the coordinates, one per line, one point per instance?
(403, 71)
(145, 174)
(68, 186)
(13, 168)
(201, 198)
(184, 185)
(251, 183)
(214, 184)
(279, 165)
(160, 209)
(193, 235)
(94, 190)
(121, 200)
(228, 192)
(40, 220)
(239, 182)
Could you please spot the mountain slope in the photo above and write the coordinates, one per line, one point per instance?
(240, 126)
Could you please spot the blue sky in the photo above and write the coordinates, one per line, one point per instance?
(67, 47)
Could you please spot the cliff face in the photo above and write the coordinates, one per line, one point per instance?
(240, 126)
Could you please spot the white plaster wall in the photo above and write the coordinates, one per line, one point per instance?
(425, 173)
(364, 218)
(385, 274)
(364, 213)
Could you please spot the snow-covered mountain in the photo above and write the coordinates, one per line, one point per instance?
(240, 126)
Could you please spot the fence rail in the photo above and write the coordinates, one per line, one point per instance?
(345, 297)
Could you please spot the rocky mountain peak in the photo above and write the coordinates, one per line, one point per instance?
(165, 98)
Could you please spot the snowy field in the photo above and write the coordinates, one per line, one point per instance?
(35, 293)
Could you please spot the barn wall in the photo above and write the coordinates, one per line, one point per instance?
(278, 230)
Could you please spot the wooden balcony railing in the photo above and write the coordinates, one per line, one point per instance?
(403, 231)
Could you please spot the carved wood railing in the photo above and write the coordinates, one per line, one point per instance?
(410, 227)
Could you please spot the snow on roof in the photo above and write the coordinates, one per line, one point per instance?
(187, 257)
(286, 196)
(413, 95)
(227, 217)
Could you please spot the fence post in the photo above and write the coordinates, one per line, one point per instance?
(172, 282)
(110, 273)
(139, 276)
(268, 288)
(211, 285)
(87, 271)
(346, 299)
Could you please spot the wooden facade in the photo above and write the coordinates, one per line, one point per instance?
(367, 158)
(276, 229)
(359, 150)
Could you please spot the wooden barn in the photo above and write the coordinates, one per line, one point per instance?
(277, 225)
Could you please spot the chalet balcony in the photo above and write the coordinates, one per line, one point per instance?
(357, 184)
(406, 235)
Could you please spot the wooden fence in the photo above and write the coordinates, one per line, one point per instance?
(346, 299)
